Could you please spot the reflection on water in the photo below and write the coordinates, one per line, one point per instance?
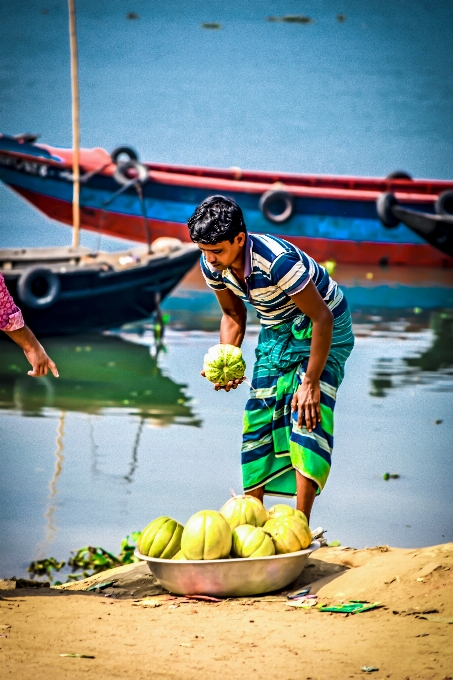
(431, 366)
(93, 461)
(98, 372)
(396, 293)
(49, 515)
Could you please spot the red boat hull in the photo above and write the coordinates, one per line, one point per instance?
(344, 251)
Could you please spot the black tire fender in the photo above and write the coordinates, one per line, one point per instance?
(444, 203)
(273, 196)
(123, 176)
(124, 150)
(384, 205)
(399, 174)
(31, 281)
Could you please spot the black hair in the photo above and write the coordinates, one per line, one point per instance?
(216, 219)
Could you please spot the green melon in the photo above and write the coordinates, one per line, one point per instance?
(289, 534)
(282, 510)
(206, 536)
(223, 363)
(244, 510)
(179, 556)
(161, 538)
(250, 541)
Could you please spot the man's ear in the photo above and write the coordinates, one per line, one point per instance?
(240, 239)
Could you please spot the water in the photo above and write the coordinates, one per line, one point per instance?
(121, 438)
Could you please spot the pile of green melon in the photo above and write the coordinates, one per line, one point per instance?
(242, 528)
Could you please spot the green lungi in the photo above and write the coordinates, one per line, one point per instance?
(273, 445)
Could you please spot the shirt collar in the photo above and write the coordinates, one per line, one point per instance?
(248, 256)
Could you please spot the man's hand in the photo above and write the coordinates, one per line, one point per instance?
(231, 385)
(306, 401)
(40, 361)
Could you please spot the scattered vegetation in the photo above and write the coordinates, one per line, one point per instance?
(293, 19)
(87, 561)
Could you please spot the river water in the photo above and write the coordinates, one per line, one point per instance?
(122, 437)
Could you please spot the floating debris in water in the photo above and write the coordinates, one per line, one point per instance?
(293, 19)
(439, 421)
(211, 24)
(132, 15)
(341, 18)
(388, 475)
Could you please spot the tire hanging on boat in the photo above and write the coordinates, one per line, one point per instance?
(444, 203)
(122, 174)
(38, 287)
(123, 150)
(399, 174)
(283, 204)
(384, 205)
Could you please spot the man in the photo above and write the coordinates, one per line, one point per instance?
(305, 339)
(12, 324)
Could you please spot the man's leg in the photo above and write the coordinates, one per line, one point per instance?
(306, 492)
(257, 493)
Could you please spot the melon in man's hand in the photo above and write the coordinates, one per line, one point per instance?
(283, 510)
(251, 541)
(244, 510)
(223, 363)
(161, 538)
(289, 534)
(206, 536)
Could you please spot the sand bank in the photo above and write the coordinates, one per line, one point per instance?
(411, 636)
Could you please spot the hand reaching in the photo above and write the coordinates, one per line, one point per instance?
(39, 361)
(231, 385)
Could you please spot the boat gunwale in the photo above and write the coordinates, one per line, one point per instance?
(248, 181)
(245, 186)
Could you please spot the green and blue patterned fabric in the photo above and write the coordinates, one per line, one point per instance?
(273, 445)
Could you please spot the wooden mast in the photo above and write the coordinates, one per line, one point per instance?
(75, 125)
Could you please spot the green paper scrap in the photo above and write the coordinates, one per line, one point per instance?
(100, 586)
(353, 607)
(79, 656)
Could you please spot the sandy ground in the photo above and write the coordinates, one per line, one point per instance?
(410, 637)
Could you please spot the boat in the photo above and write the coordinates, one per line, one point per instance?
(68, 290)
(331, 217)
(434, 229)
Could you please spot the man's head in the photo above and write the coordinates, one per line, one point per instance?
(217, 227)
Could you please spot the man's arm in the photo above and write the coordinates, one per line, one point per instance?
(234, 318)
(307, 399)
(34, 352)
(232, 327)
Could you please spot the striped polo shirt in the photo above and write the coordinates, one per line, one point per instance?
(274, 271)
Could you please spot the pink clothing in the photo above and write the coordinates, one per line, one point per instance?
(11, 318)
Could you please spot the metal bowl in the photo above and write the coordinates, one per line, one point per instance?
(230, 577)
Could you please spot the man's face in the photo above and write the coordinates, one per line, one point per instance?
(223, 254)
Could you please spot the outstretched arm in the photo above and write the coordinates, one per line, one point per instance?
(34, 352)
(232, 327)
(307, 399)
